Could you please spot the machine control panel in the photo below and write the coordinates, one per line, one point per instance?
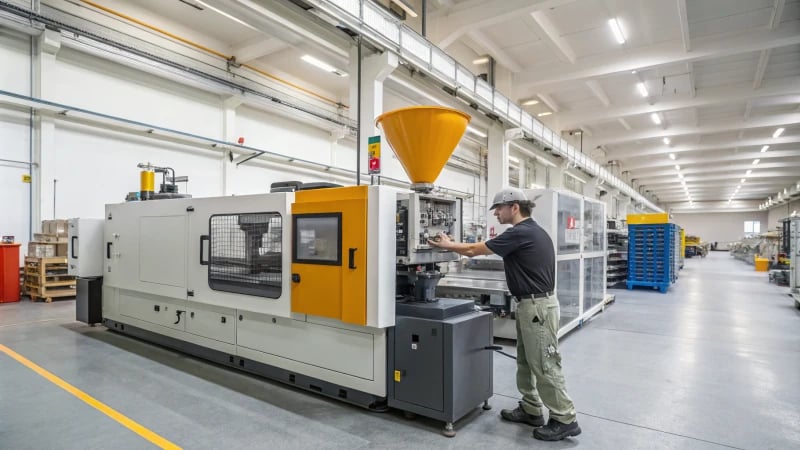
(421, 217)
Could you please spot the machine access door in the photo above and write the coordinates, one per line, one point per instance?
(329, 253)
(239, 253)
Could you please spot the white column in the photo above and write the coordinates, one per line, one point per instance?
(590, 188)
(497, 174)
(47, 46)
(374, 70)
(556, 176)
(229, 105)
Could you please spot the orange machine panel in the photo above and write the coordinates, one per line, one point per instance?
(329, 253)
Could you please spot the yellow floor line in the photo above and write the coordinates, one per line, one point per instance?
(91, 401)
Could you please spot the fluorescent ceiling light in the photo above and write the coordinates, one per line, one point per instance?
(756, 161)
(530, 102)
(742, 180)
(642, 89)
(476, 132)
(764, 148)
(481, 60)
(633, 72)
(513, 159)
(655, 118)
(672, 156)
(617, 30)
(542, 114)
(777, 132)
(405, 7)
(677, 167)
(665, 140)
(749, 171)
(322, 65)
(680, 175)
(219, 11)
(683, 182)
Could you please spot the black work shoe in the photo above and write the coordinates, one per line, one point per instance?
(519, 415)
(556, 431)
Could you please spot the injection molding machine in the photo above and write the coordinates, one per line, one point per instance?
(328, 289)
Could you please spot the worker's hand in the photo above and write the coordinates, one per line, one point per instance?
(442, 240)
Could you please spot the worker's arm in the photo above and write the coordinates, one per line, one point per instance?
(462, 248)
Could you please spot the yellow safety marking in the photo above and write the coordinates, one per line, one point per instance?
(397, 376)
(91, 401)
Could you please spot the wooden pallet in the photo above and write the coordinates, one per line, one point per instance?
(47, 278)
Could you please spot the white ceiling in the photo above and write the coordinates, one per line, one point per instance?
(721, 74)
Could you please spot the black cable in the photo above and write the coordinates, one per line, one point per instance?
(499, 349)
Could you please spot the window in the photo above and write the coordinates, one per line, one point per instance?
(245, 254)
(752, 227)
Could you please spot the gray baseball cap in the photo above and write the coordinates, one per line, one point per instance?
(509, 195)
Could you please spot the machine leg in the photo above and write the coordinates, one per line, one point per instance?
(448, 430)
(486, 405)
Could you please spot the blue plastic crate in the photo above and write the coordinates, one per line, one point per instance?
(651, 255)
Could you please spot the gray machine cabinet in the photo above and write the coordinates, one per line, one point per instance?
(444, 369)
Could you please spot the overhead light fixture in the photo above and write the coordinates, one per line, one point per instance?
(749, 171)
(642, 89)
(756, 161)
(677, 167)
(633, 72)
(680, 175)
(405, 7)
(481, 60)
(655, 118)
(617, 30)
(742, 180)
(221, 12)
(672, 156)
(665, 141)
(777, 133)
(542, 114)
(764, 148)
(322, 65)
(683, 182)
(530, 102)
(513, 159)
(476, 132)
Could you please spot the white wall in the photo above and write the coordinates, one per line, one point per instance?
(718, 227)
(781, 212)
(15, 143)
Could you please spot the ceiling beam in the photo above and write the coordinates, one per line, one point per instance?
(652, 163)
(550, 77)
(624, 123)
(637, 151)
(720, 126)
(494, 50)
(748, 108)
(598, 92)
(548, 100)
(739, 169)
(652, 182)
(720, 95)
(447, 25)
(683, 17)
(546, 30)
(763, 60)
(777, 13)
(247, 52)
(692, 85)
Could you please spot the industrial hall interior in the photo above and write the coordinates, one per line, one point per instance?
(394, 224)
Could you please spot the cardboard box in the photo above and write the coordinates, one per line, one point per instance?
(41, 250)
(55, 227)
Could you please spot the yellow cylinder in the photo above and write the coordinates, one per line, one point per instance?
(147, 183)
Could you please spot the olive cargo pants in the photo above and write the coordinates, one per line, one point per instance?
(539, 377)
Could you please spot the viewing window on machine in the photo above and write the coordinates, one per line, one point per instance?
(245, 253)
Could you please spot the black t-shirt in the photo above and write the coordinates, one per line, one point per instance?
(528, 257)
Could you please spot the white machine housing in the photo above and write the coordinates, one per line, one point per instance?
(85, 247)
(155, 280)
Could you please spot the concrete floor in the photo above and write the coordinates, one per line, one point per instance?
(713, 363)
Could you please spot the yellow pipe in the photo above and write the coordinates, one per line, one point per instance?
(212, 51)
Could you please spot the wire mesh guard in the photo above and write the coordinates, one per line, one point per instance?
(245, 253)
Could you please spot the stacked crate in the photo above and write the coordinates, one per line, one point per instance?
(45, 273)
(653, 257)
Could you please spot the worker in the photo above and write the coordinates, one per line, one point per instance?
(529, 260)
